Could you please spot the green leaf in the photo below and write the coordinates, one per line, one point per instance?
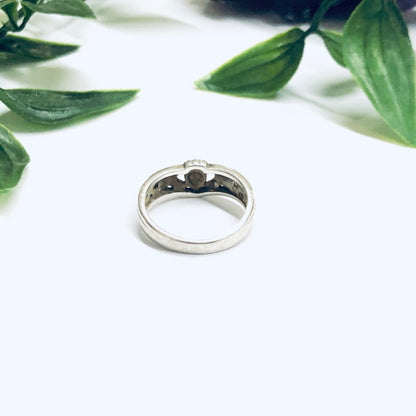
(65, 7)
(52, 107)
(333, 42)
(15, 50)
(261, 70)
(13, 159)
(379, 54)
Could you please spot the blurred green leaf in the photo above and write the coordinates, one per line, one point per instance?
(13, 159)
(53, 107)
(64, 7)
(379, 54)
(15, 50)
(333, 42)
(261, 70)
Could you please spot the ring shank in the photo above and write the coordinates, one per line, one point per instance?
(195, 178)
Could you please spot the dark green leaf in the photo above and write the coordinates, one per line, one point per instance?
(261, 70)
(333, 42)
(13, 159)
(15, 50)
(65, 7)
(378, 52)
(52, 107)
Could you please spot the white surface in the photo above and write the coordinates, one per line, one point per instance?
(313, 314)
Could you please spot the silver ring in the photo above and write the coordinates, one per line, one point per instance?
(195, 178)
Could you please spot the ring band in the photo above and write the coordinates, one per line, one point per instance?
(195, 178)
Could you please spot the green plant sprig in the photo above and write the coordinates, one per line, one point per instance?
(374, 46)
(42, 106)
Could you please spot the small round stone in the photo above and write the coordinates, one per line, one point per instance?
(196, 178)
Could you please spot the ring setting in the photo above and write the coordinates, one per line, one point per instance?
(195, 178)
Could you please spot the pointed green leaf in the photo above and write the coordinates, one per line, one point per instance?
(333, 42)
(15, 50)
(13, 159)
(378, 52)
(65, 7)
(261, 70)
(52, 107)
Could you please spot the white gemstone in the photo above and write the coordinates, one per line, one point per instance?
(195, 163)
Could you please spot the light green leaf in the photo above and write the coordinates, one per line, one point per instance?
(15, 50)
(333, 42)
(13, 159)
(52, 107)
(261, 70)
(379, 54)
(65, 7)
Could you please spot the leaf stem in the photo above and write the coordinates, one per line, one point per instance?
(12, 14)
(11, 26)
(320, 14)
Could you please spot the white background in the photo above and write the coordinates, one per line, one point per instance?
(313, 314)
